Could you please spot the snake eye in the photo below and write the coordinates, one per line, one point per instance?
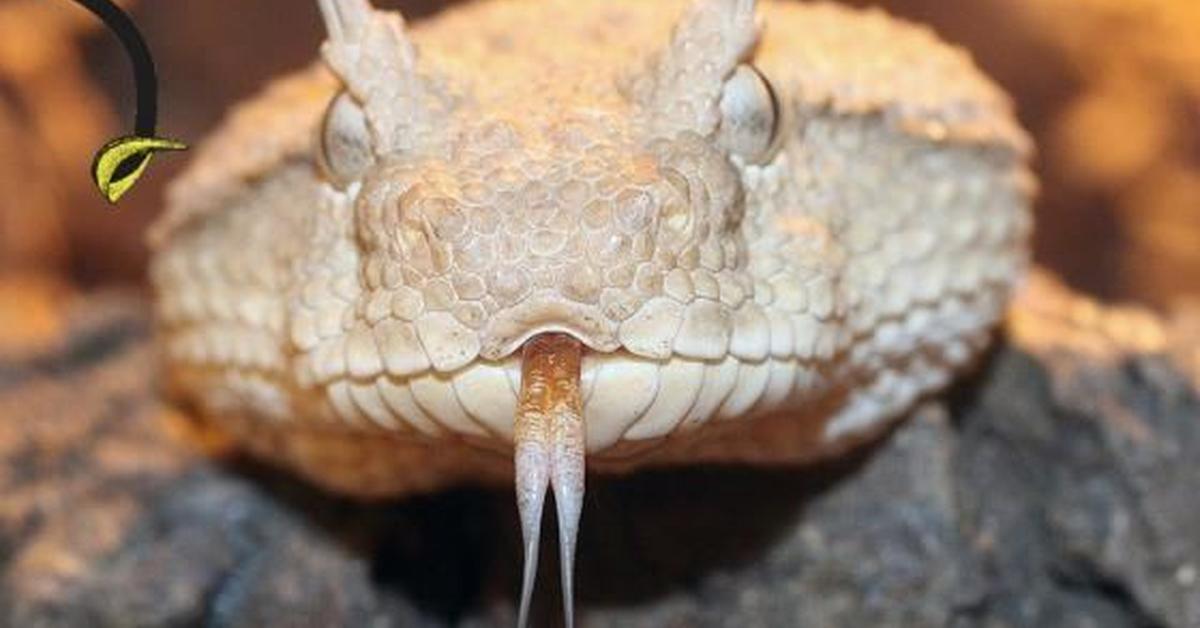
(345, 141)
(750, 116)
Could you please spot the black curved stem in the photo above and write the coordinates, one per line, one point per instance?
(146, 82)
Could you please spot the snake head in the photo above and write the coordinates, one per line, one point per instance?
(605, 203)
(553, 202)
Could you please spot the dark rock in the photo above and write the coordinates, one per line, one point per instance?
(1055, 487)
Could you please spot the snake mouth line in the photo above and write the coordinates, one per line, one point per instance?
(511, 330)
(549, 452)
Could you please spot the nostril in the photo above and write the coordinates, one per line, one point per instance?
(675, 217)
(426, 221)
(445, 220)
(414, 236)
(411, 235)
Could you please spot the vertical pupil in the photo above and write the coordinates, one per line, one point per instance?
(776, 113)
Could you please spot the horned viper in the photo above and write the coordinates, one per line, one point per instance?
(648, 232)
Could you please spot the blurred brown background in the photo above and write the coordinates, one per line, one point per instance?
(1109, 88)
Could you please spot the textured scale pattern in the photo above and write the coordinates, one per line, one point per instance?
(574, 180)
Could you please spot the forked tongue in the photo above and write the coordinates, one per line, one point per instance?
(548, 431)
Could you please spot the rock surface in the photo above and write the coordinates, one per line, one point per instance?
(1055, 487)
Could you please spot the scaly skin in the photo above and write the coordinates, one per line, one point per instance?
(721, 244)
(567, 166)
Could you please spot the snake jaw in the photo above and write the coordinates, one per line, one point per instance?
(549, 452)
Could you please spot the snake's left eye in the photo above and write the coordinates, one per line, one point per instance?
(750, 116)
(345, 141)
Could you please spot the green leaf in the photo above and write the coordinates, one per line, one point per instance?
(120, 163)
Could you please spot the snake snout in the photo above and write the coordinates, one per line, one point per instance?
(509, 329)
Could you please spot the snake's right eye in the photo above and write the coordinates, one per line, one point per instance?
(345, 141)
